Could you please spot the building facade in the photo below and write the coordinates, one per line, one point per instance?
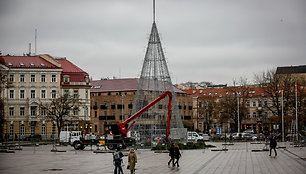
(32, 80)
(112, 102)
(36, 80)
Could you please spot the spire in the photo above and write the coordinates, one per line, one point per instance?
(153, 11)
(154, 81)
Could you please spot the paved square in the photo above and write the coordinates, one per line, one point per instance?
(238, 159)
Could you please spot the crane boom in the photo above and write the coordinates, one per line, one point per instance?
(122, 126)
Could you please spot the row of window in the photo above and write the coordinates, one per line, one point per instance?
(33, 111)
(32, 93)
(23, 130)
(254, 103)
(22, 78)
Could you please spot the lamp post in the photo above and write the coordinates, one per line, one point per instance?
(238, 113)
(122, 110)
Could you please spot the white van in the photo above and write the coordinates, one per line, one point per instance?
(193, 136)
(70, 136)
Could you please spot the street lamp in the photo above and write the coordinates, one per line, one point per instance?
(122, 111)
(238, 113)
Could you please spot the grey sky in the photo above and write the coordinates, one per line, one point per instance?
(203, 40)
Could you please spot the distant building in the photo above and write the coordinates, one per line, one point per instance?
(296, 71)
(112, 102)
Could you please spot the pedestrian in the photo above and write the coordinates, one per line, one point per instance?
(132, 159)
(273, 145)
(171, 154)
(177, 155)
(117, 159)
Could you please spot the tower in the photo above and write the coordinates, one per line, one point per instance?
(154, 81)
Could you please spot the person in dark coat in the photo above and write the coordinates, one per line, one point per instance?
(273, 145)
(117, 159)
(177, 155)
(171, 154)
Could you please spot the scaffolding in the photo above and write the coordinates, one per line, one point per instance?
(154, 80)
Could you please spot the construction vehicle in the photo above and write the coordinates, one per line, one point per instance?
(117, 136)
(117, 133)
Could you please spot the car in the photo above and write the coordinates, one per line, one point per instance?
(237, 136)
(206, 137)
(247, 136)
(33, 137)
(193, 136)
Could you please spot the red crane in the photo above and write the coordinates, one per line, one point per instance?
(122, 126)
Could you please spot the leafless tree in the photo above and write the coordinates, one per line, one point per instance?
(61, 109)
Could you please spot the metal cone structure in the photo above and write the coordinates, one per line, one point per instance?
(155, 79)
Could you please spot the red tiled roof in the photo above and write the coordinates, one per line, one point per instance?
(75, 73)
(129, 84)
(68, 66)
(114, 85)
(32, 62)
(221, 92)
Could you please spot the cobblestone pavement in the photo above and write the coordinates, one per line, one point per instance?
(238, 159)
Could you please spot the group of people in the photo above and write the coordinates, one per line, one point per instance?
(117, 159)
(174, 153)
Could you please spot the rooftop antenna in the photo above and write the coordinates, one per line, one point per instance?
(153, 11)
(29, 54)
(35, 41)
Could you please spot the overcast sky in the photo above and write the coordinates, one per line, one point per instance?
(203, 40)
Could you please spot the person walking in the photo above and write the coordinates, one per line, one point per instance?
(177, 155)
(171, 154)
(132, 159)
(117, 159)
(273, 145)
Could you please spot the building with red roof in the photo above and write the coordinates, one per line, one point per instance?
(36, 80)
(112, 102)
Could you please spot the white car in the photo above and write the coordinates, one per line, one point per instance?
(193, 136)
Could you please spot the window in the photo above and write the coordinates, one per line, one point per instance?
(33, 110)
(11, 111)
(66, 79)
(11, 79)
(266, 103)
(32, 93)
(22, 130)
(12, 94)
(249, 115)
(53, 129)
(53, 78)
(96, 128)
(43, 111)
(43, 129)
(43, 93)
(76, 112)
(21, 64)
(32, 64)
(53, 94)
(66, 93)
(22, 94)
(254, 103)
(11, 130)
(32, 77)
(75, 94)
(21, 78)
(259, 103)
(86, 94)
(21, 111)
(43, 78)
(32, 130)
(248, 103)
(254, 114)
(96, 114)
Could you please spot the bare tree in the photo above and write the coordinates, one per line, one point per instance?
(236, 98)
(4, 84)
(60, 109)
